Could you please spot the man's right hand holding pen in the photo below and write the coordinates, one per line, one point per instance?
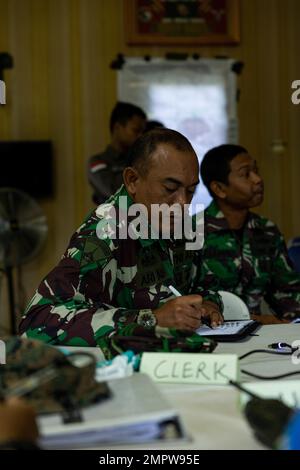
(187, 313)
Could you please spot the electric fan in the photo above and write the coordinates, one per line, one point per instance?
(23, 231)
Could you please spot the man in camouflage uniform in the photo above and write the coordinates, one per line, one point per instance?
(243, 252)
(127, 123)
(105, 284)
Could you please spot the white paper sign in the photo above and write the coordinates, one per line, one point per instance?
(192, 368)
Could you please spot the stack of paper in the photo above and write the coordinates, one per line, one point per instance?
(137, 412)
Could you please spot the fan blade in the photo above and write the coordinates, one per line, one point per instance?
(23, 227)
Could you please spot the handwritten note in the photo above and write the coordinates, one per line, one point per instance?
(190, 368)
(286, 390)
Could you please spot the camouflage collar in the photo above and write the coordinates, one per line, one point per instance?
(123, 204)
(122, 191)
(115, 199)
(129, 201)
(215, 220)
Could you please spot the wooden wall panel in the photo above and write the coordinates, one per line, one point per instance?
(291, 118)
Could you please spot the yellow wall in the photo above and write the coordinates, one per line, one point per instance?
(62, 89)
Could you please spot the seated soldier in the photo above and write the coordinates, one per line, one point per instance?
(127, 123)
(243, 252)
(106, 283)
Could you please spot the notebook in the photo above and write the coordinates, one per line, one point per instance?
(229, 331)
(136, 413)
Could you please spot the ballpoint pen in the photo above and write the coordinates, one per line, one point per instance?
(204, 320)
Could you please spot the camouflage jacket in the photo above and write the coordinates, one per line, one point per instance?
(101, 284)
(253, 264)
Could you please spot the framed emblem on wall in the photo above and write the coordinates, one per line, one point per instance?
(182, 22)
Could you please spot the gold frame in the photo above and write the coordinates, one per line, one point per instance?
(135, 38)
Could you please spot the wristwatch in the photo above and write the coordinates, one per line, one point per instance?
(146, 319)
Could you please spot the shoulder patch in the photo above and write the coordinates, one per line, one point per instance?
(95, 251)
(97, 166)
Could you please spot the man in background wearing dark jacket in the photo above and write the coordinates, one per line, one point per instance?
(127, 123)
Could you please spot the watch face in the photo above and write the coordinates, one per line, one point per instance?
(147, 319)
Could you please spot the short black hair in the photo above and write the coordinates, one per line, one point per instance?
(215, 165)
(141, 151)
(152, 124)
(123, 112)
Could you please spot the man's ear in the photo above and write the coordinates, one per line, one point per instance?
(218, 189)
(131, 179)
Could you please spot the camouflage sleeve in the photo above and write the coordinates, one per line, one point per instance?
(204, 285)
(73, 304)
(283, 293)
